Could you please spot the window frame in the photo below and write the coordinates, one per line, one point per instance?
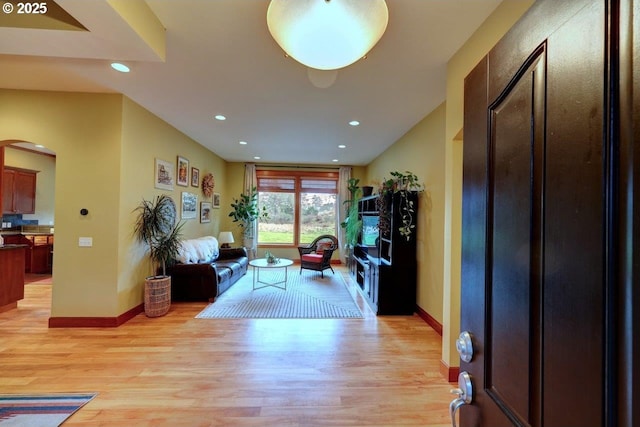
(298, 177)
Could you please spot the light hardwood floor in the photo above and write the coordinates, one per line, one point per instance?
(180, 371)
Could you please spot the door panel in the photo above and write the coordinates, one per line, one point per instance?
(474, 237)
(524, 38)
(574, 297)
(514, 238)
(629, 217)
(534, 229)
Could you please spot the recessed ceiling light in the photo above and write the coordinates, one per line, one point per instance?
(342, 146)
(242, 142)
(334, 160)
(354, 123)
(220, 117)
(120, 67)
(256, 157)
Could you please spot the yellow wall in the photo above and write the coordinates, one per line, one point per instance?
(84, 131)
(232, 190)
(45, 181)
(105, 146)
(144, 138)
(476, 47)
(421, 151)
(359, 172)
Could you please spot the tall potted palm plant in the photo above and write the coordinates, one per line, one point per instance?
(245, 212)
(156, 227)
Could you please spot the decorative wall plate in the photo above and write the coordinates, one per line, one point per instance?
(207, 185)
(170, 212)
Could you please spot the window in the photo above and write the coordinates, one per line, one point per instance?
(301, 206)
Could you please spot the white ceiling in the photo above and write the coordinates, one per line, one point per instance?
(221, 59)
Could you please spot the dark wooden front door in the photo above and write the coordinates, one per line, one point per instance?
(538, 271)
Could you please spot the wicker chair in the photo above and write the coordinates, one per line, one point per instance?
(317, 255)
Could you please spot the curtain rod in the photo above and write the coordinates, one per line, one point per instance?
(297, 167)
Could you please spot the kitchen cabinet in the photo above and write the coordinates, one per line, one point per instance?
(18, 190)
(41, 248)
(12, 273)
(38, 251)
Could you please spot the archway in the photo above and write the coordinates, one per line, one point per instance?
(28, 194)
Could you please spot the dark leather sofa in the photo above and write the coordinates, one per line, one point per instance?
(205, 281)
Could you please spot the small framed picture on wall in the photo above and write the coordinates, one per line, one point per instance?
(183, 172)
(216, 200)
(195, 177)
(189, 205)
(205, 211)
(163, 175)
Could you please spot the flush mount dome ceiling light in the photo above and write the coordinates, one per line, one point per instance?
(327, 34)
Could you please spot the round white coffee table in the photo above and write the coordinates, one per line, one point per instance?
(261, 263)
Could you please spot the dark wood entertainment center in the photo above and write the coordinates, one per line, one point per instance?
(386, 269)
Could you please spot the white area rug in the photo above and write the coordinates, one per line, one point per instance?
(308, 296)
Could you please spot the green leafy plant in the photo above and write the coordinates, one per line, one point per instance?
(271, 258)
(245, 211)
(352, 223)
(398, 183)
(156, 227)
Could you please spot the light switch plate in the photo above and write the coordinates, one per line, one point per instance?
(85, 242)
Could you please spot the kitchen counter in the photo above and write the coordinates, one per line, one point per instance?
(12, 246)
(28, 230)
(38, 252)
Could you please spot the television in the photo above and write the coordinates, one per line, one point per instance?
(370, 234)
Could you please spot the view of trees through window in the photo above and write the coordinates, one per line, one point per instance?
(279, 227)
(316, 213)
(317, 216)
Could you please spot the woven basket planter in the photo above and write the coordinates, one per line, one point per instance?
(157, 295)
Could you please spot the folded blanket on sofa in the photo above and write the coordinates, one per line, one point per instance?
(202, 249)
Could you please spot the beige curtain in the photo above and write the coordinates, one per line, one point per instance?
(344, 175)
(250, 238)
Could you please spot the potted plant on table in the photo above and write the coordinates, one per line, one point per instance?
(271, 258)
(156, 227)
(245, 212)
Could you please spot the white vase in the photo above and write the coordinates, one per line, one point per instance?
(249, 243)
